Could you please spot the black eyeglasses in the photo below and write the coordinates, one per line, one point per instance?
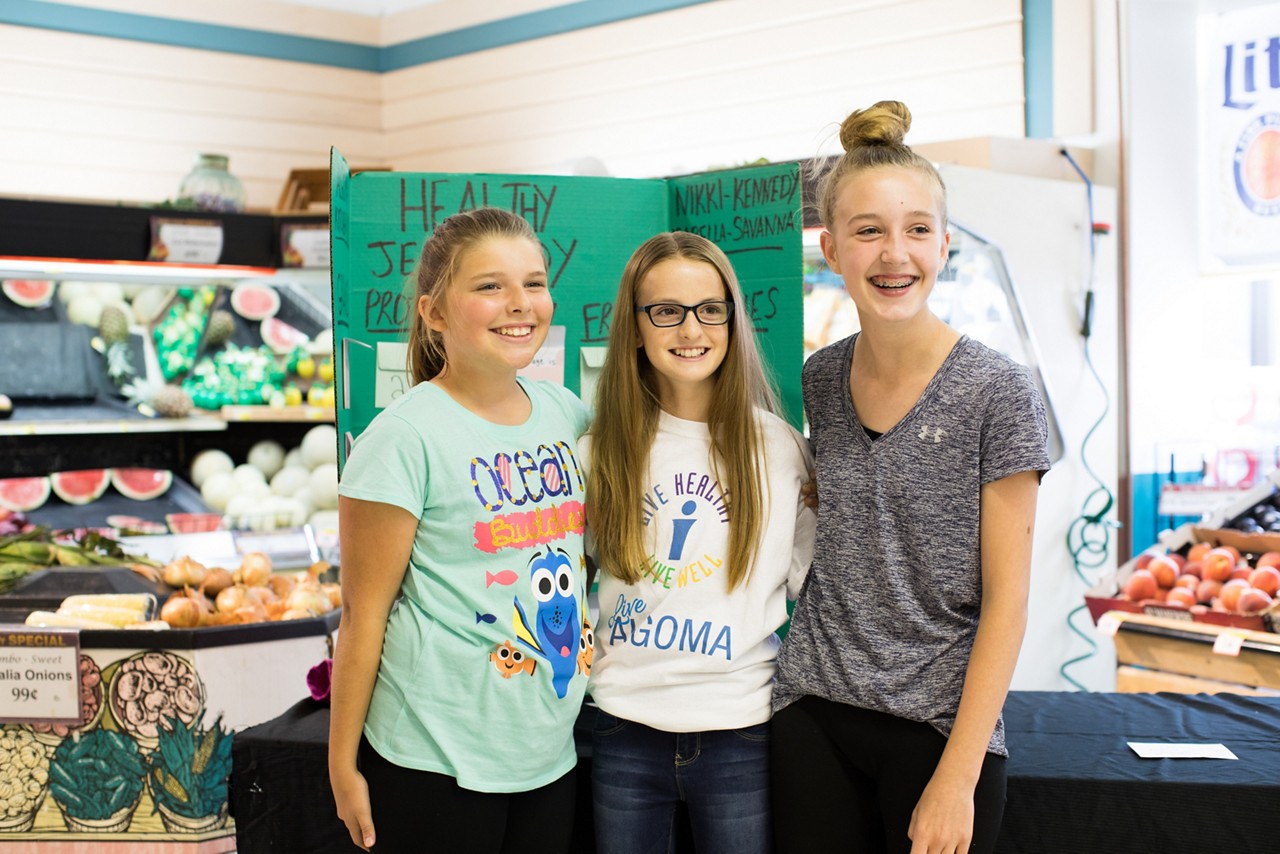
(710, 313)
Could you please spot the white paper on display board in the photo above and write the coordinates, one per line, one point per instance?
(548, 362)
(1240, 138)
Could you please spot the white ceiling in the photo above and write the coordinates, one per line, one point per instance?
(372, 8)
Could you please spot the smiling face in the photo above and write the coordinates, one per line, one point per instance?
(496, 309)
(888, 240)
(685, 358)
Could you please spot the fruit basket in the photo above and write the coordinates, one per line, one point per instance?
(1229, 559)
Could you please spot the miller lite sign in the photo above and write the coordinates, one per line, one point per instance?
(1240, 137)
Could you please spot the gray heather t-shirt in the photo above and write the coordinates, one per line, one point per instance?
(888, 614)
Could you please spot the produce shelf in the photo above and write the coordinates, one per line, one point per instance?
(280, 414)
(94, 418)
(181, 497)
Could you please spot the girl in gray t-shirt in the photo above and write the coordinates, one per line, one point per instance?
(930, 447)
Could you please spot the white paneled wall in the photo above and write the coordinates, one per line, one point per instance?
(717, 83)
(99, 118)
(710, 84)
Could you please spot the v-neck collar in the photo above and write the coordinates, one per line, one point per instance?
(852, 414)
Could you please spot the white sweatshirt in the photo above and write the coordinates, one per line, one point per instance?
(678, 651)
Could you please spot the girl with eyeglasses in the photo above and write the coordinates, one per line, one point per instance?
(701, 533)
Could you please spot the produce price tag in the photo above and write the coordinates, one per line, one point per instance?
(1195, 499)
(186, 241)
(1109, 623)
(391, 379)
(288, 548)
(304, 245)
(39, 675)
(1228, 643)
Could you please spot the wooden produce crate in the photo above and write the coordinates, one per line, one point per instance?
(1160, 654)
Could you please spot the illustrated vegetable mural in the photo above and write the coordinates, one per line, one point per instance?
(97, 778)
(189, 770)
(24, 778)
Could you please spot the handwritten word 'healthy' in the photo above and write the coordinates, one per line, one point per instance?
(426, 201)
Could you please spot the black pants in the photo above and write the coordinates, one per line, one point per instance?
(416, 811)
(848, 779)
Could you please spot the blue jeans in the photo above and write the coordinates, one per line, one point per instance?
(639, 775)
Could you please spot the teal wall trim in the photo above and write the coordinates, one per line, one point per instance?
(584, 14)
(189, 34)
(520, 28)
(1037, 66)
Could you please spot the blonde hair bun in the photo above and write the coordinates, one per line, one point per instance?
(883, 123)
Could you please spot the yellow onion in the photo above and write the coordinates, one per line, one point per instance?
(255, 570)
(181, 612)
(334, 592)
(216, 580)
(264, 596)
(308, 598)
(183, 572)
(232, 599)
(296, 614)
(251, 613)
(281, 585)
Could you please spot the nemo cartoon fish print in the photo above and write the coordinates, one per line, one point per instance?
(555, 631)
(510, 660)
(586, 647)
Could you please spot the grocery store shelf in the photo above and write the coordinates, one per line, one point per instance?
(62, 420)
(153, 425)
(279, 414)
(154, 272)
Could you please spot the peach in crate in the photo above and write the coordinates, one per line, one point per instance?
(193, 523)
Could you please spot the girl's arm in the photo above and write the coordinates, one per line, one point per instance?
(943, 818)
(376, 541)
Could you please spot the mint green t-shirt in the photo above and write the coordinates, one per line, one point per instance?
(486, 656)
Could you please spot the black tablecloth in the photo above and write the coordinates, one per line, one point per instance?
(1075, 785)
(280, 795)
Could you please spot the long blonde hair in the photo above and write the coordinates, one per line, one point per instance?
(872, 139)
(627, 419)
(440, 260)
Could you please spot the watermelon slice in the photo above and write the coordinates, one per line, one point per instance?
(255, 302)
(141, 484)
(80, 487)
(281, 337)
(30, 293)
(136, 523)
(23, 493)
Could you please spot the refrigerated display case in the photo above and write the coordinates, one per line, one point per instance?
(974, 293)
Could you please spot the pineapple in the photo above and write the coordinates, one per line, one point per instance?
(222, 325)
(113, 325)
(170, 401)
(119, 363)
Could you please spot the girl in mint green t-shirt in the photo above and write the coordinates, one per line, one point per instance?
(464, 648)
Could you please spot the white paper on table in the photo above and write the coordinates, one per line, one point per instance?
(1151, 750)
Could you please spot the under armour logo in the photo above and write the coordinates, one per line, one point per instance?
(938, 433)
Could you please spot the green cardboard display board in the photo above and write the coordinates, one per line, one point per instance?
(589, 227)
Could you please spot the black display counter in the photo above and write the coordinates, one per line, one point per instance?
(1074, 784)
